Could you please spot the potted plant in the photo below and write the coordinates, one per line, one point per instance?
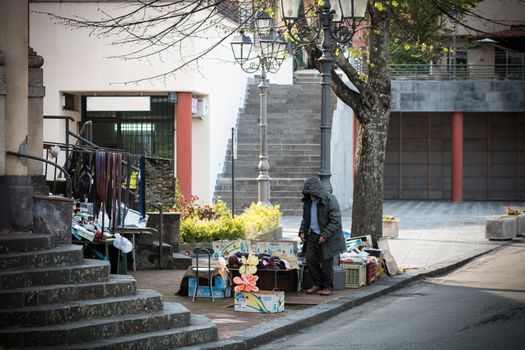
(390, 226)
(520, 219)
(503, 227)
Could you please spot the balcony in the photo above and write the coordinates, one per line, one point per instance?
(457, 72)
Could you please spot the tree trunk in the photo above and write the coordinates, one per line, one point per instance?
(367, 213)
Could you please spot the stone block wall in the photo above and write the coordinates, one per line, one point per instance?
(160, 181)
(458, 96)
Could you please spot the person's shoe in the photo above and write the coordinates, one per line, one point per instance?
(313, 290)
(326, 292)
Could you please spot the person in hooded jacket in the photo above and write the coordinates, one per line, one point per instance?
(321, 232)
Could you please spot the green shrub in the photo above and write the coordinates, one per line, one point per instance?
(207, 223)
(197, 230)
(260, 218)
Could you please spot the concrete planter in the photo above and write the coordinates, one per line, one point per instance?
(520, 219)
(501, 228)
(271, 235)
(274, 234)
(190, 246)
(391, 228)
(170, 228)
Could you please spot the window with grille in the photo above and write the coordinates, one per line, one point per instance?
(138, 132)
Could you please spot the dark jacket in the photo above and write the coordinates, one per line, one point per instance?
(328, 216)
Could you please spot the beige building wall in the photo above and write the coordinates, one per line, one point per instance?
(80, 64)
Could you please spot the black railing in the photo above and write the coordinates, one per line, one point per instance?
(457, 72)
(40, 159)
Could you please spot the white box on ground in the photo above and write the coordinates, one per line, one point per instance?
(263, 301)
(501, 227)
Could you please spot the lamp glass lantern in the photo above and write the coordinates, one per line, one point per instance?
(273, 46)
(290, 9)
(242, 48)
(263, 21)
(282, 49)
(347, 9)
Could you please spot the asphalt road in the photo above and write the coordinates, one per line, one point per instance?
(480, 306)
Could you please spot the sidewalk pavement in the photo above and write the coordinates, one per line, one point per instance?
(435, 237)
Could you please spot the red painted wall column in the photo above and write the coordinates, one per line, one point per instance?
(457, 157)
(184, 132)
(354, 144)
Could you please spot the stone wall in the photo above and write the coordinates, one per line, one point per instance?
(458, 96)
(160, 181)
(52, 215)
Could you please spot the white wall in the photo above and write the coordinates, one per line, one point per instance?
(341, 155)
(77, 62)
(509, 11)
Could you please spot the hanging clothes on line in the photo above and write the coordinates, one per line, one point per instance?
(142, 177)
(108, 179)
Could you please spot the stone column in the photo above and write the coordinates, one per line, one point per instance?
(2, 115)
(457, 157)
(184, 142)
(14, 40)
(16, 191)
(36, 110)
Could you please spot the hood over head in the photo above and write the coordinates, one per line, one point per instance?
(313, 185)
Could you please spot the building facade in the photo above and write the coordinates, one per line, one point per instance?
(457, 130)
(190, 113)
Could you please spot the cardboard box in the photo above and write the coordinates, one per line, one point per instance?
(220, 288)
(281, 280)
(271, 247)
(227, 248)
(266, 302)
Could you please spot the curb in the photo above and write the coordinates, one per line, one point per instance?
(264, 333)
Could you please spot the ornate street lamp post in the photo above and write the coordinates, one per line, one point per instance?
(268, 58)
(336, 20)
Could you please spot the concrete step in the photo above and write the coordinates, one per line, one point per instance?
(90, 270)
(299, 162)
(281, 183)
(12, 242)
(252, 193)
(55, 314)
(293, 209)
(173, 315)
(118, 285)
(247, 190)
(200, 330)
(58, 256)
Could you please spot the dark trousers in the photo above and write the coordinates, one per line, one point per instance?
(320, 269)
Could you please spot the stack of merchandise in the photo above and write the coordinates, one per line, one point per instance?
(360, 263)
(248, 296)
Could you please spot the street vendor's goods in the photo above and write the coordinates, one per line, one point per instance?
(84, 233)
(260, 302)
(355, 274)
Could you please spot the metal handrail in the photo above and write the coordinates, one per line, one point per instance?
(457, 72)
(161, 221)
(68, 178)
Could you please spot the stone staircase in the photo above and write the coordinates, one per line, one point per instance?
(294, 144)
(52, 298)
